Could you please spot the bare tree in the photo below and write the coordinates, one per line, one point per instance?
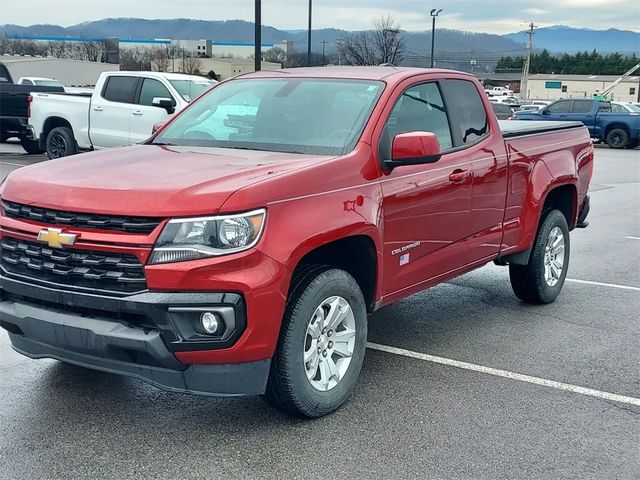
(135, 59)
(191, 65)
(388, 41)
(91, 51)
(384, 44)
(275, 55)
(160, 59)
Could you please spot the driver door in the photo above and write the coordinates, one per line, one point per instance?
(426, 208)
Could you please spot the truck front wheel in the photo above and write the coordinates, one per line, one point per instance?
(541, 280)
(618, 138)
(61, 143)
(321, 346)
(32, 147)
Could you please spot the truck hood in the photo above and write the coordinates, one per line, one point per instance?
(148, 180)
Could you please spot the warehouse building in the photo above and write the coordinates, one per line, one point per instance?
(554, 87)
(72, 73)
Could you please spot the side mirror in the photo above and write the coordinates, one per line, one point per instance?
(156, 127)
(544, 111)
(162, 102)
(414, 148)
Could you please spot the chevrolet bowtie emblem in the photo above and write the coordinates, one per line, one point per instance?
(55, 238)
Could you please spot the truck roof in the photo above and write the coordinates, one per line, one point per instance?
(351, 72)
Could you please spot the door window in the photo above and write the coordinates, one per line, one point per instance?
(151, 89)
(419, 109)
(467, 112)
(582, 106)
(120, 89)
(617, 108)
(560, 107)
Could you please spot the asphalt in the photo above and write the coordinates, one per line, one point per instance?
(409, 418)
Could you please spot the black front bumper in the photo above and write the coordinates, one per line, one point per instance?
(135, 336)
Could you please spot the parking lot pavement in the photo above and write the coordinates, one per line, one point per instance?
(411, 417)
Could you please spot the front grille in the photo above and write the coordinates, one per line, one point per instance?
(74, 269)
(89, 221)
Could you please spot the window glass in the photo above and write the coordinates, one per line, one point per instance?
(581, 106)
(419, 109)
(26, 82)
(314, 116)
(190, 89)
(501, 108)
(605, 107)
(560, 107)
(120, 89)
(617, 108)
(472, 120)
(151, 89)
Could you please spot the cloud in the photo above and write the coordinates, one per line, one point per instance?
(500, 16)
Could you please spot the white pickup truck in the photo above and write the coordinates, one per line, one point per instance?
(121, 111)
(498, 91)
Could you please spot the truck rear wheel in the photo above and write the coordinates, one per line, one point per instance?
(61, 143)
(32, 147)
(322, 344)
(618, 138)
(542, 279)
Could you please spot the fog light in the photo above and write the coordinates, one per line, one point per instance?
(210, 322)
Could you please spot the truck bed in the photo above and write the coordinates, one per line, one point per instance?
(519, 128)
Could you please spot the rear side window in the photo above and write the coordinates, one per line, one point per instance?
(581, 106)
(120, 89)
(605, 107)
(151, 89)
(562, 106)
(466, 109)
(419, 109)
(500, 108)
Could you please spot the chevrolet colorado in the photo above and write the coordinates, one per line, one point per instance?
(240, 250)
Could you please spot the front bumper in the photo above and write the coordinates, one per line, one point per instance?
(138, 336)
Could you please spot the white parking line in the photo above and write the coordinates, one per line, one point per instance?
(590, 392)
(600, 284)
(632, 238)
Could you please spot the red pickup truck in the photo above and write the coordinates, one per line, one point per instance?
(241, 248)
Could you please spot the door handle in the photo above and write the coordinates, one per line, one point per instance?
(97, 109)
(137, 113)
(459, 176)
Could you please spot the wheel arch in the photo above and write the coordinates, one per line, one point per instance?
(355, 254)
(53, 122)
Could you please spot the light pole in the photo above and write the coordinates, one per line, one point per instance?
(258, 36)
(434, 13)
(309, 35)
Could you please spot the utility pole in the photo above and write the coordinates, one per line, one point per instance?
(525, 70)
(309, 35)
(434, 13)
(324, 44)
(258, 36)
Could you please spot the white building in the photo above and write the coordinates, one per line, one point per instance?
(556, 86)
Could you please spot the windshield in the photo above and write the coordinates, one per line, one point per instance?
(633, 108)
(315, 116)
(189, 89)
(48, 83)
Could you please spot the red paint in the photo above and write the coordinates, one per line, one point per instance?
(415, 145)
(468, 208)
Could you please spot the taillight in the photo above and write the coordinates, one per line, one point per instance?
(29, 100)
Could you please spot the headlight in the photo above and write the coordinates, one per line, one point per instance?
(185, 239)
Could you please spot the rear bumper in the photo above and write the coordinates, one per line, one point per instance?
(18, 126)
(137, 336)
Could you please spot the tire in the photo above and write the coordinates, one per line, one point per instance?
(32, 147)
(309, 388)
(617, 138)
(61, 143)
(538, 282)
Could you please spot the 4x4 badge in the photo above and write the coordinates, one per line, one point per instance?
(55, 238)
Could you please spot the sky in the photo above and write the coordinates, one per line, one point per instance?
(497, 16)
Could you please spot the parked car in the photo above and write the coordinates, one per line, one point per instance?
(499, 92)
(618, 130)
(121, 111)
(14, 113)
(502, 110)
(619, 107)
(243, 258)
(40, 81)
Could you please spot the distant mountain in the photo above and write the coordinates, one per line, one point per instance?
(567, 39)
